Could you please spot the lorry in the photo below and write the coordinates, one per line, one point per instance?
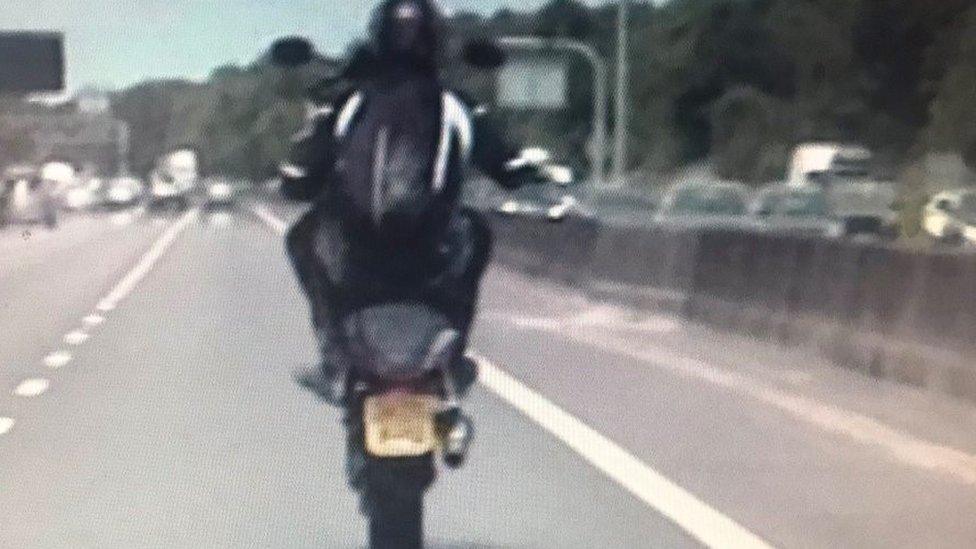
(174, 179)
(862, 203)
(26, 197)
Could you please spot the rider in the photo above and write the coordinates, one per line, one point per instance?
(372, 232)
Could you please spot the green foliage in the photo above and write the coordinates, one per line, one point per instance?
(240, 119)
(15, 146)
(738, 82)
(747, 140)
(953, 110)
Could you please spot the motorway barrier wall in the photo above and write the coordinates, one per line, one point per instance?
(888, 312)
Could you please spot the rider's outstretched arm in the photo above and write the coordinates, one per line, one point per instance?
(493, 155)
(310, 163)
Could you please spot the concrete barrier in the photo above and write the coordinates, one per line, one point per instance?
(890, 313)
(642, 267)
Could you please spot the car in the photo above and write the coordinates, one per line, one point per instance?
(782, 208)
(703, 204)
(950, 217)
(27, 198)
(545, 201)
(83, 195)
(865, 205)
(58, 176)
(122, 192)
(165, 192)
(220, 194)
(552, 200)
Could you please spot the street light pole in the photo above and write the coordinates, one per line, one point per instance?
(598, 148)
(622, 88)
(122, 146)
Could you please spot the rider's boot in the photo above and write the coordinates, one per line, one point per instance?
(328, 379)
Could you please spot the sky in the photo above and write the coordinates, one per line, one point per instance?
(115, 43)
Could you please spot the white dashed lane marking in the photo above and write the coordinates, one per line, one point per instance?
(76, 338)
(32, 387)
(37, 386)
(93, 320)
(57, 359)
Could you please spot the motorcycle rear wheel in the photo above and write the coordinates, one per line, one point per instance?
(395, 495)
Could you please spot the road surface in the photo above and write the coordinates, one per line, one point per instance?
(146, 400)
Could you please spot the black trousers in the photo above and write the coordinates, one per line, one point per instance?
(453, 291)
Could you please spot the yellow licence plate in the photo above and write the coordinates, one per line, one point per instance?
(400, 425)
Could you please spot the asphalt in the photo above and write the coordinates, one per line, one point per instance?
(176, 422)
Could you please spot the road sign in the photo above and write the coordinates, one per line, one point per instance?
(533, 82)
(31, 62)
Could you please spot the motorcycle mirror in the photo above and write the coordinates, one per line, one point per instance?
(294, 51)
(483, 54)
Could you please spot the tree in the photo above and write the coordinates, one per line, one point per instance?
(953, 110)
(15, 146)
(735, 81)
(746, 139)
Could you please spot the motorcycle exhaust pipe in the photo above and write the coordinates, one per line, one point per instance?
(457, 433)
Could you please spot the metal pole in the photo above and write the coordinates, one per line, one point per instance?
(620, 102)
(598, 148)
(122, 147)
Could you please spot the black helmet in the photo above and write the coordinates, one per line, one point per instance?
(405, 32)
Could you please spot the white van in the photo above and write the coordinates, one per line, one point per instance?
(863, 204)
(814, 162)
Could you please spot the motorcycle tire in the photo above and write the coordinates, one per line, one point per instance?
(395, 495)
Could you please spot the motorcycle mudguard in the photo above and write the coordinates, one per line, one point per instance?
(395, 342)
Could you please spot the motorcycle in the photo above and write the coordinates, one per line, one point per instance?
(402, 412)
(400, 395)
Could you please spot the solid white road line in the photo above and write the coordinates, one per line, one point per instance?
(57, 359)
(710, 527)
(127, 284)
(705, 524)
(32, 387)
(596, 319)
(6, 424)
